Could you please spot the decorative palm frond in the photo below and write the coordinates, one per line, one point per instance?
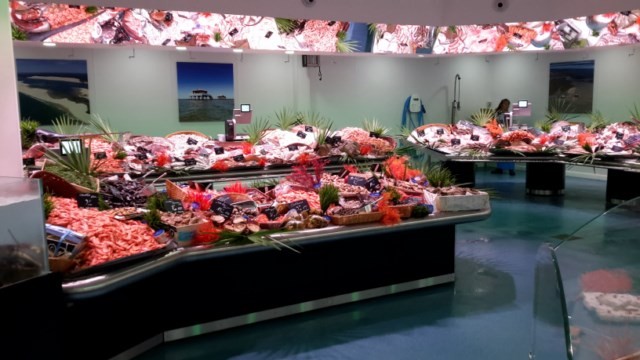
(482, 116)
(323, 133)
(18, 34)
(437, 175)
(374, 126)
(598, 121)
(635, 114)
(544, 125)
(102, 126)
(286, 118)
(66, 125)
(328, 194)
(285, 26)
(559, 110)
(314, 119)
(256, 130)
(79, 162)
(343, 45)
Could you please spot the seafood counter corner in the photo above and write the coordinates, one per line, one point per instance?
(196, 290)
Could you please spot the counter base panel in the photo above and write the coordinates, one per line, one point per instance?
(229, 284)
(200, 329)
(621, 186)
(545, 179)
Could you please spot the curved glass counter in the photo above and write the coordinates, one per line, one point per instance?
(587, 298)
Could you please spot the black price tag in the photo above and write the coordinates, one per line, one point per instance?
(263, 152)
(142, 156)
(373, 135)
(190, 162)
(173, 206)
(357, 180)
(29, 162)
(218, 150)
(616, 148)
(566, 128)
(271, 212)
(222, 206)
(619, 135)
(100, 155)
(141, 149)
(299, 206)
(420, 132)
(293, 147)
(233, 32)
(87, 200)
(301, 135)
(329, 140)
(192, 141)
(559, 142)
(268, 34)
(238, 158)
(372, 183)
(475, 137)
(308, 128)
(455, 142)
(337, 139)
(440, 131)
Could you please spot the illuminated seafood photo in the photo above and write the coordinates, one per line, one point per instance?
(50, 89)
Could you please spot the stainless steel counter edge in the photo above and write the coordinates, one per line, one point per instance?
(125, 276)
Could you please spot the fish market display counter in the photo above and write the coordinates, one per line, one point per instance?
(546, 174)
(192, 291)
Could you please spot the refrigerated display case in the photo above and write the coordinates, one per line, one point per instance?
(587, 303)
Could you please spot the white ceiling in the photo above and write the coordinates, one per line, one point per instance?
(406, 12)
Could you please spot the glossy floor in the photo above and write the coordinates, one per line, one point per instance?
(486, 314)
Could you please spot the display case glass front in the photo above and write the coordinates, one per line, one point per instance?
(593, 302)
(23, 253)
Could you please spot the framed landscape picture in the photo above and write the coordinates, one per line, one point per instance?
(205, 91)
(571, 86)
(48, 89)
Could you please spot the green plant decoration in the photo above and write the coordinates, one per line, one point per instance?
(285, 118)
(343, 45)
(28, 132)
(66, 125)
(329, 195)
(256, 130)
(375, 127)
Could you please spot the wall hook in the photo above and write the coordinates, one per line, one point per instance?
(633, 52)
(133, 54)
(73, 54)
(537, 56)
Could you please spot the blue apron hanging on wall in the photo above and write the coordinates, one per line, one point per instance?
(412, 113)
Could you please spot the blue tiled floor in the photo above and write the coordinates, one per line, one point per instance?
(486, 314)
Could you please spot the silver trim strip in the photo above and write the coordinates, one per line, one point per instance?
(140, 348)
(200, 329)
(545, 192)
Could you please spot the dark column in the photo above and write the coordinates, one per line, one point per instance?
(621, 186)
(464, 172)
(546, 179)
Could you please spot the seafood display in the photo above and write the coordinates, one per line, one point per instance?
(107, 239)
(562, 138)
(581, 32)
(86, 24)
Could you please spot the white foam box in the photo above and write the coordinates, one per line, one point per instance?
(462, 202)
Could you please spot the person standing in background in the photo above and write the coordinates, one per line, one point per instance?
(499, 114)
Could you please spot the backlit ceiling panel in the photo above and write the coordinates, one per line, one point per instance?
(80, 24)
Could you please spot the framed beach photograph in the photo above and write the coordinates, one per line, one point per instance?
(571, 86)
(48, 89)
(205, 91)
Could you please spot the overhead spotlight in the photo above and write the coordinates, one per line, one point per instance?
(49, 44)
(237, 50)
(500, 5)
(289, 52)
(309, 3)
(181, 48)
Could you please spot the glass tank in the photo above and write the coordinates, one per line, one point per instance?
(587, 298)
(23, 252)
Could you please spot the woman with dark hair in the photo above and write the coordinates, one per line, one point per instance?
(500, 114)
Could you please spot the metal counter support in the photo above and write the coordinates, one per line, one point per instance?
(546, 179)
(464, 172)
(194, 291)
